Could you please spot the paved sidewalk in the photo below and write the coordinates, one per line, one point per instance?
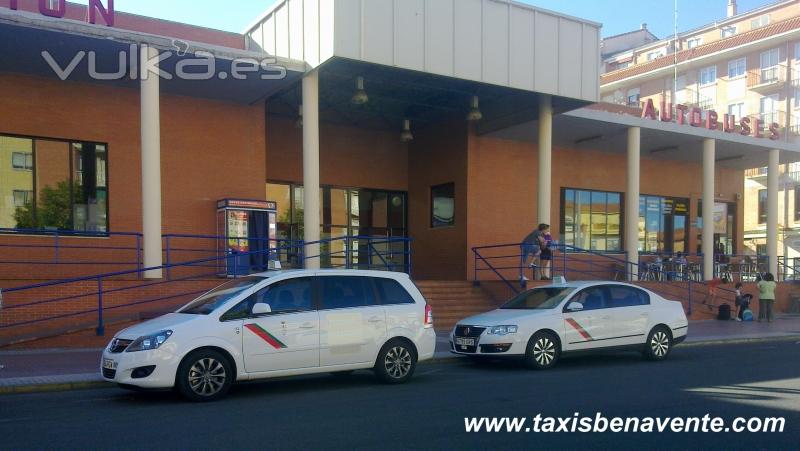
(58, 369)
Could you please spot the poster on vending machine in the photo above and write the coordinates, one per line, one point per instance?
(237, 231)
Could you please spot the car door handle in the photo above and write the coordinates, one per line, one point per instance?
(308, 326)
(606, 318)
(375, 319)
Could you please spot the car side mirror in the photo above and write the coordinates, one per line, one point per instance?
(261, 309)
(575, 307)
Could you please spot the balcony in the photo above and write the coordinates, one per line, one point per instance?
(767, 80)
(773, 117)
(755, 173)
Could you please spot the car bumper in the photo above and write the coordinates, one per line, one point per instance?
(491, 346)
(163, 376)
(426, 345)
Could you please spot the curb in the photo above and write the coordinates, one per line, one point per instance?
(48, 388)
(732, 341)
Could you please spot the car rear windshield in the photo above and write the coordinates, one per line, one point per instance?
(212, 300)
(539, 299)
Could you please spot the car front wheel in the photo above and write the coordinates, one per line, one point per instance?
(204, 375)
(659, 344)
(544, 350)
(396, 362)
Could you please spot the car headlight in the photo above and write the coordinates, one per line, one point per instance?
(149, 342)
(502, 330)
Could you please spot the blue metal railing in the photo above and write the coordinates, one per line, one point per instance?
(127, 253)
(23, 307)
(498, 261)
(355, 251)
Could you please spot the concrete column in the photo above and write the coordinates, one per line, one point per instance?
(632, 200)
(545, 158)
(709, 162)
(773, 178)
(311, 200)
(151, 162)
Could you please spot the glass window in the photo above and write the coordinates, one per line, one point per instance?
(22, 198)
(217, 297)
(592, 220)
(391, 292)
(736, 109)
(708, 76)
(22, 161)
(662, 224)
(293, 295)
(622, 296)
(593, 298)
(443, 199)
(727, 32)
(71, 187)
(770, 71)
(538, 299)
(692, 43)
(797, 203)
(759, 22)
(341, 292)
(737, 68)
(762, 206)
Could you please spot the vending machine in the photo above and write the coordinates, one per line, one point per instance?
(247, 231)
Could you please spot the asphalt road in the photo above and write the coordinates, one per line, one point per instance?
(355, 412)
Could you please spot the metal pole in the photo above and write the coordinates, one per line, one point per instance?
(169, 272)
(58, 243)
(101, 329)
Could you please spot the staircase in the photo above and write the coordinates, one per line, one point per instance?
(453, 301)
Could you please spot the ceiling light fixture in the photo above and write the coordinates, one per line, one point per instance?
(360, 97)
(475, 113)
(406, 136)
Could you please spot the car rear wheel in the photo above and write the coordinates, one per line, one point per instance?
(396, 362)
(544, 350)
(659, 344)
(204, 375)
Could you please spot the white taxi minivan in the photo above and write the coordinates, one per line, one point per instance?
(278, 324)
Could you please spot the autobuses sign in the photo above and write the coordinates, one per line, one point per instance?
(709, 119)
(58, 9)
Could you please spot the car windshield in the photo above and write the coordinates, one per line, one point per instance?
(539, 299)
(212, 300)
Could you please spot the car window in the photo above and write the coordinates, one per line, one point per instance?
(217, 297)
(622, 296)
(593, 298)
(391, 292)
(293, 295)
(340, 292)
(538, 299)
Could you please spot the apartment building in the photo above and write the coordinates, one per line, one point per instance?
(745, 65)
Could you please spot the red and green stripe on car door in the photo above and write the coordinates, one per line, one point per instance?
(266, 336)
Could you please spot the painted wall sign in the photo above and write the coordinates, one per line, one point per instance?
(694, 117)
(58, 9)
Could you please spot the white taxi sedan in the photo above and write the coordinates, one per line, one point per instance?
(278, 324)
(541, 324)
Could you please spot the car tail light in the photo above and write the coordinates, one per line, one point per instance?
(428, 316)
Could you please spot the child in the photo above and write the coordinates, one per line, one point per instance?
(547, 256)
(742, 301)
(712, 291)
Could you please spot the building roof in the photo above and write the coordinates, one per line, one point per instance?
(732, 42)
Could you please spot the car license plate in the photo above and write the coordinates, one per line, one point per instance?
(109, 364)
(465, 341)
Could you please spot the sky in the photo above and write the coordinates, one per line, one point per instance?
(617, 16)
